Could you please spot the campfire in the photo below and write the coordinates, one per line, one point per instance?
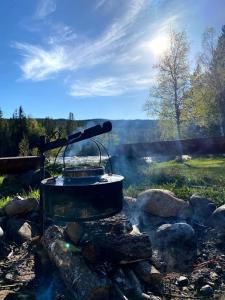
(97, 244)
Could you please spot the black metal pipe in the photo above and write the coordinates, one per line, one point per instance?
(77, 137)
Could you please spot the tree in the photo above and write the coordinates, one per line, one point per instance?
(208, 84)
(216, 77)
(24, 147)
(167, 96)
(70, 124)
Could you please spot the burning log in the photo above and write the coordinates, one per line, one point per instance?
(82, 282)
(121, 249)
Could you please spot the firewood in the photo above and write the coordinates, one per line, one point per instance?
(119, 249)
(82, 283)
(147, 272)
(117, 224)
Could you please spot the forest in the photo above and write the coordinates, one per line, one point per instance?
(187, 100)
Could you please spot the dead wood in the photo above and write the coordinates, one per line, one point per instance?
(82, 282)
(120, 249)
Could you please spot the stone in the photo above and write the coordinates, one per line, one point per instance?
(213, 276)
(202, 208)
(1, 233)
(18, 230)
(162, 203)
(182, 281)
(177, 245)
(217, 219)
(206, 290)
(167, 234)
(19, 205)
(74, 231)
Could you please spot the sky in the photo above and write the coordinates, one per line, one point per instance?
(91, 57)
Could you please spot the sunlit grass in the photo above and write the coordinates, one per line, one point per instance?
(12, 189)
(205, 176)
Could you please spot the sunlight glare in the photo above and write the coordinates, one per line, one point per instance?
(158, 45)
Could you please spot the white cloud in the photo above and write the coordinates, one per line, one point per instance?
(111, 86)
(40, 63)
(45, 8)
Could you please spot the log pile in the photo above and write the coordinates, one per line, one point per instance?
(106, 261)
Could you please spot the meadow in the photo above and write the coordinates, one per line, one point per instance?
(202, 175)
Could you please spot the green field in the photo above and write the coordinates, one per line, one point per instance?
(205, 176)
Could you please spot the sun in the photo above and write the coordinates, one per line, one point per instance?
(158, 45)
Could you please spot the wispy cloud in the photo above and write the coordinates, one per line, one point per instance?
(111, 86)
(118, 47)
(39, 63)
(45, 8)
(100, 3)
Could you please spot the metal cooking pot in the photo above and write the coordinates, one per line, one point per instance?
(82, 195)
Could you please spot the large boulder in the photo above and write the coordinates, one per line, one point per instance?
(162, 203)
(217, 219)
(19, 205)
(202, 208)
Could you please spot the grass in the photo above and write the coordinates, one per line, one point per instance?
(11, 189)
(203, 175)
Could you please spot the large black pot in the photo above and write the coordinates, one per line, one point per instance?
(82, 199)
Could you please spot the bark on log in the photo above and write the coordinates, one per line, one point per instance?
(146, 272)
(120, 249)
(83, 283)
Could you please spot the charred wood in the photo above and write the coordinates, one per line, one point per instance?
(119, 249)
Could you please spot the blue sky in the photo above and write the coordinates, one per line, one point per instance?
(91, 57)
